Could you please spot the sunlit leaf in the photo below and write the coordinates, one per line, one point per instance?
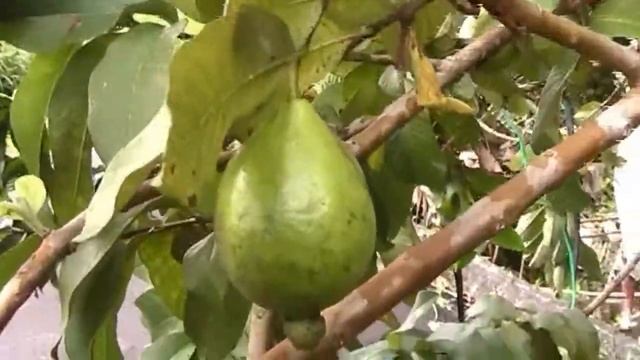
(299, 15)
(230, 70)
(129, 85)
(428, 92)
(125, 173)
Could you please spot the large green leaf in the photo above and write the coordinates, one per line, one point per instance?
(31, 101)
(129, 85)
(300, 16)
(232, 69)
(414, 154)
(164, 271)
(351, 15)
(124, 174)
(92, 284)
(70, 185)
(12, 259)
(215, 312)
(325, 51)
(616, 18)
(42, 26)
(200, 10)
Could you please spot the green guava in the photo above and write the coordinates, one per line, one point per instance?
(294, 222)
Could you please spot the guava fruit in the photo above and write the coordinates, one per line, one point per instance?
(294, 222)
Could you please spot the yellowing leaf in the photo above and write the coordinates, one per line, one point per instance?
(427, 85)
(428, 90)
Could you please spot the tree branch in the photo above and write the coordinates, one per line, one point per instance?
(521, 15)
(163, 227)
(608, 289)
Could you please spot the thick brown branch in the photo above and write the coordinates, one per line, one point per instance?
(525, 15)
(593, 305)
(422, 263)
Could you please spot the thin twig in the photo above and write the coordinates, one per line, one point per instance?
(163, 227)
(608, 289)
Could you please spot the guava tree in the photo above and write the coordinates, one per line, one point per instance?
(220, 125)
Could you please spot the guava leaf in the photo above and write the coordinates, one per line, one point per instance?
(300, 16)
(31, 101)
(391, 196)
(569, 196)
(508, 239)
(125, 173)
(92, 284)
(129, 85)
(167, 332)
(414, 154)
(69, 184)
(236, 67)
(45, 26)
(105, 344)
(215, 312)
(616, 18)
(545, 130)
(164, 271)
(362, 93)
